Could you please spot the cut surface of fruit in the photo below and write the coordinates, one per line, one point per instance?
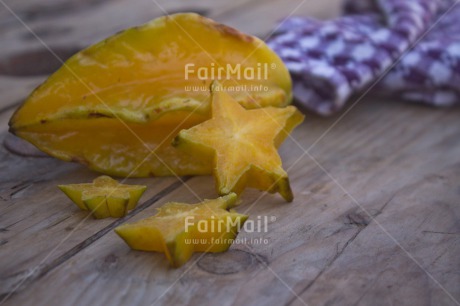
(151, 81)
(104, 197)
(243, 144)
(180, 229)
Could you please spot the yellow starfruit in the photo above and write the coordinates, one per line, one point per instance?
(242, 144)
(104, 197)
(178, 229)
(113, 104)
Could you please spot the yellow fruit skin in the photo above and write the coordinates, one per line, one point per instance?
(242, 145)
(165, 232)
(105, 197)
(103, 207)
(74, 194)
(134, 197)
(138, 77)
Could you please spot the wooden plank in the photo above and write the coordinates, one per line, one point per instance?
(261, 17)
(31, 183)
(423, 218)
(5, 117)
(72, 29)
(39, 226)
(378, 154)
(391, 158)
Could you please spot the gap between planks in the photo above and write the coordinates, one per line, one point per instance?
(29, 276)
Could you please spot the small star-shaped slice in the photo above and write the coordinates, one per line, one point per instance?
(243, 144)
(104, 197)
(180, 229)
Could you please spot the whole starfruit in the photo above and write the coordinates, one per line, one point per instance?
(116, 106)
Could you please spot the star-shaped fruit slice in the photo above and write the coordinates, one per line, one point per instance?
(104, 197)
(242, 144)
(180, 229)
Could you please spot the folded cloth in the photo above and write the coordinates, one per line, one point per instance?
(406, 48)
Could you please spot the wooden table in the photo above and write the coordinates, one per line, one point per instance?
(376, 219)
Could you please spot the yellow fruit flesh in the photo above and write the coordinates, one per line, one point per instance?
(243, 144)
(138, 76)
(170, 233)
(105, 197)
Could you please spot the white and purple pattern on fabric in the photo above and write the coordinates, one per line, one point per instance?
(331, 60)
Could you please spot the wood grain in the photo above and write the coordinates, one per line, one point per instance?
(323, 246)
(387, 170)
(39, 225)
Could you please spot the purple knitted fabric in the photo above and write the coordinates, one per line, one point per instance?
(331, 60)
